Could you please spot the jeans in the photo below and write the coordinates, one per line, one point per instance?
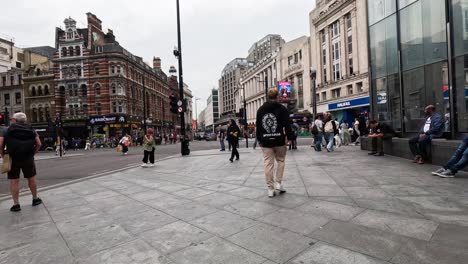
(377, 143)
(318, 141)
(418, 146)
(255, 143)
(330, 138)
(460, 158)
(269, 157)
(221, 142)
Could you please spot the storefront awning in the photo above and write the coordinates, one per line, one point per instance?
(358, 102)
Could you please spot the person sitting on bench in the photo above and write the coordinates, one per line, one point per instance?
(458, 161)
(380, 132)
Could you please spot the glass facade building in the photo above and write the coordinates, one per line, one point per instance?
(419, 56)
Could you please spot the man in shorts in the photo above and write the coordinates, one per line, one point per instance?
(22, 143)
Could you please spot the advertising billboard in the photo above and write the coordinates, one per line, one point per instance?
(284, 89)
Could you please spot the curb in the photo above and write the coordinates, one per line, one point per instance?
(58, 185)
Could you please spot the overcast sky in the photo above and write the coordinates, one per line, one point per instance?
(213, 31)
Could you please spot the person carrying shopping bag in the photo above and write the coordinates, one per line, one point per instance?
(149, 146)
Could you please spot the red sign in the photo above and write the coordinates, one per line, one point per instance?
(180, 109)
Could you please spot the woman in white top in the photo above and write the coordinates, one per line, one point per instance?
(125, 142)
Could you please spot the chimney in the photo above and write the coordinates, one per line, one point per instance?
(156, 63)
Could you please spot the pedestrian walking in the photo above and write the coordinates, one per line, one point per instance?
(273, 127)
(149, 147)
(356, 131)
(294, 134)
(174, 137)
(233, 138)
(345, 136)
(317, 131)
(433, 128)
(125, 142)
(221, 137)
(330, 130)
(22, 143)
(88, 144)
(458, 162)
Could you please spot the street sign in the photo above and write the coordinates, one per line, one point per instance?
(180, 109)
(179, 103)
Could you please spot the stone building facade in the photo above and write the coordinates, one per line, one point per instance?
(228, 84)
(340, 57)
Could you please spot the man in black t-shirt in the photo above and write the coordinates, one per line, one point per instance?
(380, 132)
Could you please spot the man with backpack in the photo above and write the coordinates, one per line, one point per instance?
(273, 126)
(295, 133)
(22, 143)
(330, 128)
(317, 132)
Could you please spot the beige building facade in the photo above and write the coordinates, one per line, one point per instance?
(339, 55)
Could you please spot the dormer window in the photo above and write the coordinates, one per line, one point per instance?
(70, 51)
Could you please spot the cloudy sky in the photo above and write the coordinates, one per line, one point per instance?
(213, 31)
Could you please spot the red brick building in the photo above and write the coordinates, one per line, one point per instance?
(100, 86)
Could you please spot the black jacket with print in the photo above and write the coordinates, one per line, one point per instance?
(273, 125)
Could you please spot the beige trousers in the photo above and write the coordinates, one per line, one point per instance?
(269, 156)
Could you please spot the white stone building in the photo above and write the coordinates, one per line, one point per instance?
(339, 55)
(10, 55)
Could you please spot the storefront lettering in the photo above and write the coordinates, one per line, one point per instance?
(343, 104)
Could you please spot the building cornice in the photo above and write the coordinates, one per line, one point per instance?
(334, 8)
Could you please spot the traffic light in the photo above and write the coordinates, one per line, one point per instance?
(173, 102)
(2, 119)
(184, 106)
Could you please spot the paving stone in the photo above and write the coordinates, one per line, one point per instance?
(322, 253)
(73, 212)
(100, 196)
(193, 193)
(218, 199)
(190, 211)
(451, 235)
(58, 204)
(52, 250)
(330, 210)
(413, 227)
(339, 199)
(223, 223)
(369, 241)
(166, 201)
(221, 187)
(140, 222)
(295, 221)
(27, 234)
(251, 209)
(28, 216)
(432, 203)
(286, 200)
(170, 187)
(248, 192)
(392, 205)
(175, 236)
(216, 250)
(404, 190)
(351, 181)
(89, 242)
(422, 252)
(366, 192)
(325, 190)
(274, 243)
(83, 223)
(135, 252)
(146, 196)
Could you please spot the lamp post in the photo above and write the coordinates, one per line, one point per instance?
(196, 114)
(313, 75)
(144, 102)
(178, 53)
(244, 115)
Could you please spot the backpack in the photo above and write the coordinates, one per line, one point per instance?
(20, 141)
(314, 130)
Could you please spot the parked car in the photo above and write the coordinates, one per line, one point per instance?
(211, 136)
(199, 135)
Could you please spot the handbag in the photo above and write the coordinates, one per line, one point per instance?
(6, 166)
(119, 148)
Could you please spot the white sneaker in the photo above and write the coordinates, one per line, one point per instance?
(279, 187)
(437, 172)
(144, 165)
(271, 193)
(151, 165)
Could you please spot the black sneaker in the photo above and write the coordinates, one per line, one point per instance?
(379, 154)
(231, 160)
(371, 153)
(15, 208)
(36, 201)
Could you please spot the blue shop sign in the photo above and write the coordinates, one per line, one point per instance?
(349, 104)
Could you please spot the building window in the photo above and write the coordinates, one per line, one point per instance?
(70, 90)
(84, 90)
(359, 87)
(3, 81)
(121, 107)
(12, 80)
(41, 114)
(112, 69)
(317, 97)
(78, 50)
(98, 108)
(34, 115)
(325, 75)
(300, 91)
(85, 109)
(118, 69)
(114, 107)
(350, 89)
(78, 71)
(96, 69)
(70, 109)
(336, 93)
(18, 98)
(335, 29)
(324, 55)
(46, 89)
(296, 58)
(64, 52)
(324, 96)
(98, 49)
(33, 91)
(18, 65)
(113, 90)
(350, 44)
(348, 21)
(290, 60)
(336, 71)
(350, 65)
(322, 36)
(39, 91)
(97, 89)
(70, 51)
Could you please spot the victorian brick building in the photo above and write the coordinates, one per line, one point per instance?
(100, 86)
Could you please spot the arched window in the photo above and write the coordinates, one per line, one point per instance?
(84, 90)
(70, 109)
(78, 50)
(33, 91)
(119, 89)
(112, 69)
(41, 114)
(64, 52)
(38, 72)
(70, 34)
(77, 110)
(70, 90)
(39, 90)
(120, 107)
(118, 69)
(97, 89)
(78, 71)
(62, 90)
(113, 91)
(46, 89)
(34, 115)
(47, 113)
(64, 71)
(96, 69)
(70, 51)
(75, 90)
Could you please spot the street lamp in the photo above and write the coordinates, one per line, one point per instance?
(244, 115)
(144, 102)
(196, 114)
(313, 76)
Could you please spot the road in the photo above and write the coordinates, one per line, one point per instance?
(79, 164)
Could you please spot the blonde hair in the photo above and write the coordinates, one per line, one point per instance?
(273, 93)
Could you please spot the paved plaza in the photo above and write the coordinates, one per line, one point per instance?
(342, 208)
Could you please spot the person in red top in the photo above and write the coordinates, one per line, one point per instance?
(174, 136)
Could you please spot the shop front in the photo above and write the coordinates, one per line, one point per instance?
(347, 111)
(110, 125)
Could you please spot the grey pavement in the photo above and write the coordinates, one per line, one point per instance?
(341, 207)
